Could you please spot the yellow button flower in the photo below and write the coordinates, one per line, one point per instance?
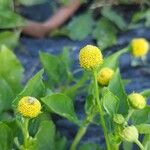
(104, 76)
(139, 47)
(29, 107)
(137, 101)
(130, 134)
(90, 57)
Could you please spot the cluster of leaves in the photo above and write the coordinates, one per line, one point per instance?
(59, 79)
(84, 25)
(55, 99)
(108, 25)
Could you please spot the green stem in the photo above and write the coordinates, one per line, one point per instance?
(146, 141)
(100, 110)
(78, 137)
(139, 144)
(129, 114)
(81, 131)
(25, 132)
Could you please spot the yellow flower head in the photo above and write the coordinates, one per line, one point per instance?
(139, 47)
(130, 134)
(90, 57)
(29, 107)
(137, 101)
(104, 76)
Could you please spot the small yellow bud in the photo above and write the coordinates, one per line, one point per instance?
(139, 47)
(137, 101)
(130, 134)
(90, 57)
(29, 107)
(119, 119)
(104, 76)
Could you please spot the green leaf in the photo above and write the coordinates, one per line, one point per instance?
(60, 142)
(5, 4)
(34, 87)
(141, 116)
(11, 69)
(90, 146)
(31, 2)
(105, 33)
(116, 87)
(80, 27)
(146, 93)
(115, 17)
(110, 102)
(61, 105)
(89, 104)
(127, 145)
(54, 68)
(10, 19)
(6, 137)
(46, 136)
(143, 128)
(142, 15)
(9, 38)
(112, 60)
(6, 95)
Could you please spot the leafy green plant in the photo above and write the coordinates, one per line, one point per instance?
(29, 125)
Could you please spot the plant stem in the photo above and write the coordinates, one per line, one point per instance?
(139, 144)
(100, 110)
(129, 114)
(78, 137)
(81, 131)
(146, 141)
(25, 132)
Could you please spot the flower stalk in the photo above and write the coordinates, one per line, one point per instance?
(81, 131)
(25, 133)
(100, 109)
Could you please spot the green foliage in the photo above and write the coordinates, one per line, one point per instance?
(54, 68)
(114, 17)
(6, 95)
(119, 92)
(6, 137)
(80, 27)
(34, 87)
(31, 2)
(110, 102)
(113, 60)
(9, 38)
(146, 93)
(141, 116)
(143, 128)
(11, 69)
(89, 146)
(61, 105)
(10, 19)
(46, 136)
(5, 4)
(105, 33)
(142, 15)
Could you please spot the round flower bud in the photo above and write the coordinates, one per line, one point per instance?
(29, 107)
(139, 47)
(130, 134)
(137, 101)
(119, 119)
(90, 57)
(104, 76)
